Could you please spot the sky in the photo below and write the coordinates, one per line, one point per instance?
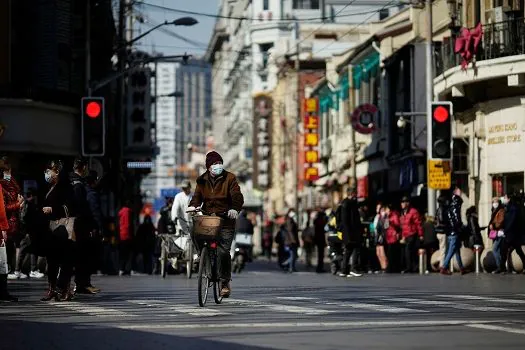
(163, 40)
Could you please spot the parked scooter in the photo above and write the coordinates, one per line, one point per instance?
(241, 251)
(335, 251)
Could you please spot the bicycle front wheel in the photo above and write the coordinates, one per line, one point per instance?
(204, 276)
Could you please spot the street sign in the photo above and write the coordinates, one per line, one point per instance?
(439, 174)
(140, 165)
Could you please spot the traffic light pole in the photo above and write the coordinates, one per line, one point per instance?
(431, 193)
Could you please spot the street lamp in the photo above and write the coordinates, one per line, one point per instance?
(183, 21)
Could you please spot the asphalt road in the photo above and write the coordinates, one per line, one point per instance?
(270, 309)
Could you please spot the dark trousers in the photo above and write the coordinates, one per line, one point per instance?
(23, 253)
(410, 253)
(394, 257)
(10, 249)
(320, 257)
(125, 256)
(515, 245)
(349, 258)
(60, 262)
(83, 262)
(147, 261)
(224, 257)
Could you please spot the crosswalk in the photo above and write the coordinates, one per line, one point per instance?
(301, 306)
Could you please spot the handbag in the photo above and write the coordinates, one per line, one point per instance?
(493, 234)
(64, 227)
(4, 270)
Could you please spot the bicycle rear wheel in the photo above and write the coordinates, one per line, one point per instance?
(204, 276)
(216, 281)
(189, 259)
(164, 261)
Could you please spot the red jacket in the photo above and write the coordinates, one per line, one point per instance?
(394, 227)
(4, 225)
(11, 190)
(411, 223)
(124, 216)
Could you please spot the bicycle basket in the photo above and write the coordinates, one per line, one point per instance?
(206, 227)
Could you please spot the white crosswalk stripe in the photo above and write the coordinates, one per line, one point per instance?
(450, 304)
(178, 308)
(487, 299)
(93, 310)
(281, 307)
(374, 307)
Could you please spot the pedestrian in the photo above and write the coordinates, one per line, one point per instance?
(412, 234)
(473, 228)
(179, 210)
(441, 222)
(4, 228)
(125, 239)
(31, 229)
(319, 224)
(84, 225)
(513, 231)
(218, 192)
(349, 220)
(392, 225)
(454, 233)
(145, 243)
(497, 235)
(58, 205)
(291, 240)
(430, 240)
(98, 233)
(379, 236)
(13, 203)
(307, 236)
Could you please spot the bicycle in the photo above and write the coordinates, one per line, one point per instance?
(206, 229)
(176, 249)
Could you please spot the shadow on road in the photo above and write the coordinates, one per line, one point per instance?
(24, 335)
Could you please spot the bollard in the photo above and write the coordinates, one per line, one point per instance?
(477, 251)
(422, 261)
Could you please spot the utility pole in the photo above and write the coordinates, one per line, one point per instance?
(297, 122)
(120, 124)
(88, 57)
(431, 193)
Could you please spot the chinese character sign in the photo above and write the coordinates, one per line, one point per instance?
(311, 139)
(262, 130)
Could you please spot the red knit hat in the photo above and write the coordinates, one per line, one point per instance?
(213, 157)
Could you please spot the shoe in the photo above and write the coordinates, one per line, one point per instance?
(94, 289)
(225, 290)
(444, 271)
(355, 274)
(13, 276)
(343, 275)
(496, 272)
(83, 290)
(36, 274)
(463, 272)
(65, 295)
(50, 294)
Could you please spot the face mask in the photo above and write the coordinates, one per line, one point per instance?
(495, 205)
(7, 177)
(47, 176)
(216, 169)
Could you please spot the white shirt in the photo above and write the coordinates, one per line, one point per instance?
(178, 212)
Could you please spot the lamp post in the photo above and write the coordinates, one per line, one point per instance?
(431, 193)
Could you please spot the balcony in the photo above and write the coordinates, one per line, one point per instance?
(499, 40)
(500, 57)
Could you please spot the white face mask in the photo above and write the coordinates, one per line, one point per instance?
(216, 169)
(495, 205)
(7, 177)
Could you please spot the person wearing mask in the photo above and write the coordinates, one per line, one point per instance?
(179, 210)
(512, 229)
(145, 240)
(497, 235)
(392, 227)
(59, 204)
(218, 192)
(13, 202)
(320, 222)
(411, 231)
(83, 228)
(4, 227)
(454, 233)
(29, 227)
(352, 229)
(291, 239)
(125, 239)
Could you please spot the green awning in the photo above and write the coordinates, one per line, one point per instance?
(357, 74)
(364, 69)
(344, 87)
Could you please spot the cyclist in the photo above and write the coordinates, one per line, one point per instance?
(180, 207)
(218, 192)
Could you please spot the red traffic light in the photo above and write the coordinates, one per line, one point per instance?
(441, 114)
(93, 109)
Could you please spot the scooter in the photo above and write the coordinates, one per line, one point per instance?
(241, 251)
(335, 251)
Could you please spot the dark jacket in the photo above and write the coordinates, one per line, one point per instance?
(244, 225)
(80, 196)
(511, 224)
(165, 224)
(351, 221)
(319, 223)
(473, 228)
(291, 233)
(455, 223)
(59, 198)
(93, 200)
(218, 195)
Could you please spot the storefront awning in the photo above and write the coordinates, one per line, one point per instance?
(364, 69)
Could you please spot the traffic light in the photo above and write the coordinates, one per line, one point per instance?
(138, 109)
(441, 131)
(93, 128)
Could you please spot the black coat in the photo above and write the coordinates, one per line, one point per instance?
(243, 224)
(351, 226)
(59, 197)
(511, 223)
(454, 216)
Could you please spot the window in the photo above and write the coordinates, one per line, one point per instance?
(305, 4)
(508, 182)
(264, 51)
(384, 13)
(266, 5)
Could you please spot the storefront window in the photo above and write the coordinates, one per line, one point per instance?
(505, 183)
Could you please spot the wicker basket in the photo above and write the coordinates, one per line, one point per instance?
(206, 227)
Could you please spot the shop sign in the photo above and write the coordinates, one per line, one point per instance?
(311, 139)
(439, 174)
(262, 137)
(365, 118)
